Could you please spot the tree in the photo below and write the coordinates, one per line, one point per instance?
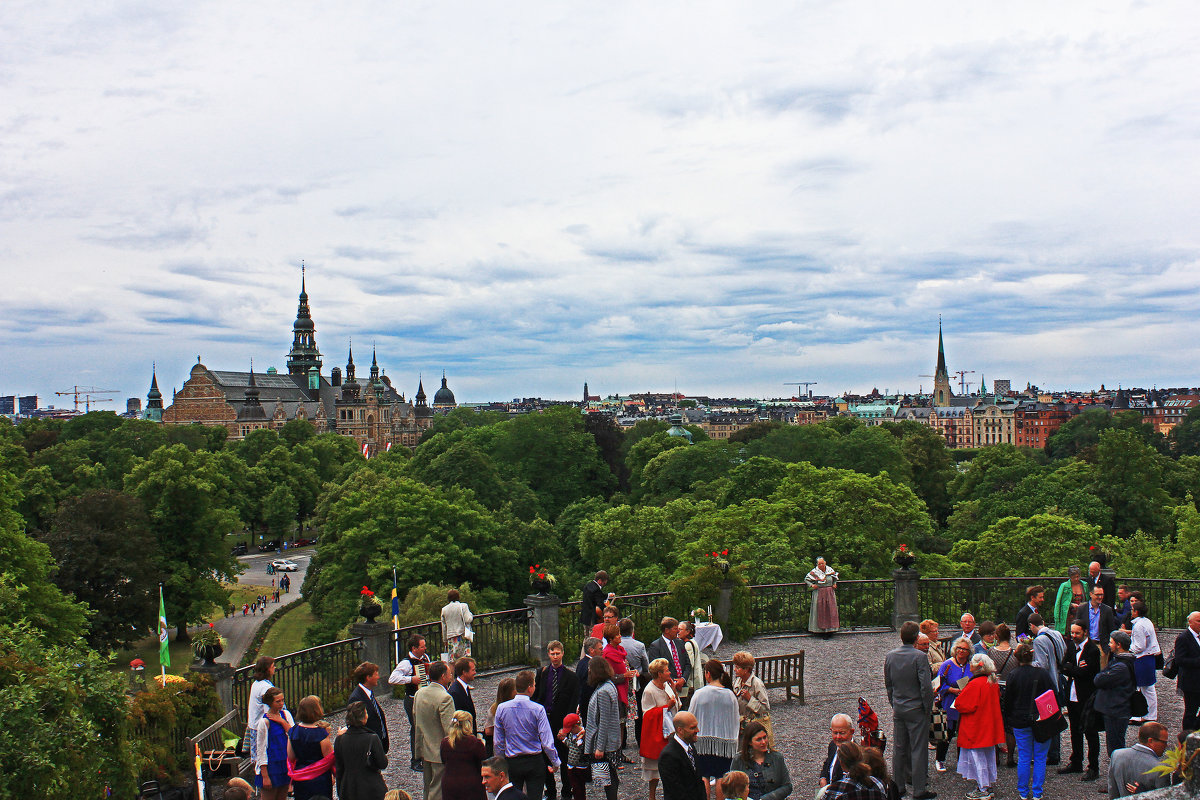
(755, 430)
(296, 431)
(1128, 479)
(932, 470)
(1184, 438)
(1080, 435)
(636, 546)
(643, 451)
(757, 478)
(191, 502)
(197, 437)
(64, 733)
(279, 512)
(107, 558)
(610, 441)
(1045, 543)
(672, 473)
(997, 469)
(27, 593)
(376, 522)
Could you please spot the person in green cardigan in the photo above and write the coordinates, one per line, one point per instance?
(1071, 595)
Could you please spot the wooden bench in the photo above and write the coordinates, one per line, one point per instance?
(779, 672)
(209, 740)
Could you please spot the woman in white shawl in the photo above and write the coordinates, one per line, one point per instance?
(716, 710)
(456, 619)
(823, 616)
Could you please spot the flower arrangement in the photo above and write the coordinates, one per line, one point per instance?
(539, 575)
(368, 598)
(137, 663)
(720, 559)
(206, 638)
(903, 556)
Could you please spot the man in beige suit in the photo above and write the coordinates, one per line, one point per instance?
(433, 711)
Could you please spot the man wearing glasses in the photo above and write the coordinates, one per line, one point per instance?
(1127, 771)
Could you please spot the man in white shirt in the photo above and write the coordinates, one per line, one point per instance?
(408, 673)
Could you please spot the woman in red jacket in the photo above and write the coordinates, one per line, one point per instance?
(980, 726)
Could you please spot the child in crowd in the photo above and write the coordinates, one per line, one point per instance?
(579, 769)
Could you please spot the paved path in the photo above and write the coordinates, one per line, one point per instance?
(238, 630)
(838, 671)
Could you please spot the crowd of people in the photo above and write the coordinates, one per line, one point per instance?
(999, 696)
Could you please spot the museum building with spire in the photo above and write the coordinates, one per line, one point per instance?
(372, 412)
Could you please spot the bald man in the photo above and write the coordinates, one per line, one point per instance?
(841, 729)
(1096, 577)
(677, 765)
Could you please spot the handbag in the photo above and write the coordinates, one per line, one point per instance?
(939, 726)
(1170, 668)
(1138, 707)
(1093, 722)
(469, 633)
(1050, 727)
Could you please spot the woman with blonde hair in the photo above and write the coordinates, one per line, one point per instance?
(658, 695)
(310, 751)
(462, 755)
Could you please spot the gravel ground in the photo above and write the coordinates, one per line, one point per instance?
(837, 672)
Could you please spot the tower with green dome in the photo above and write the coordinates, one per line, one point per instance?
(304, 354)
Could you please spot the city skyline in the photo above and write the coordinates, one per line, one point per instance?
(717, 199)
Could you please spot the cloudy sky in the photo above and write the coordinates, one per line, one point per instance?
(722, 197)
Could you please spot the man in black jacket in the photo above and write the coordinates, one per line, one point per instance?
(1034, 597)
(1097, 619)
(667, 646)
(1080, 665)
(677, 764)
(460, 689)
(1187, 661)
(1096, 577)
(366, 678)
(841, 729)
(495, 780)
(557, 689)
(594, 599)
(1115, 685)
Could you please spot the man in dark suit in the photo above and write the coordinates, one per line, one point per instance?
(908, 679)
(460, 689)
(494, 773)
(667, 647)
(1096, 577)
(1187, 660)
(1097, 619)
(1034, 597)
(1080, 665)
(841, 729)
(677, 763)
(592, 648)
(594, 598)
(557, 690)
(366, 678)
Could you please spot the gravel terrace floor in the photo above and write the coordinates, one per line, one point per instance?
(837, 672)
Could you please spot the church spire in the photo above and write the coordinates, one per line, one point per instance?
(154, 403)
(304, 353)
(941, 362)
(941, 376)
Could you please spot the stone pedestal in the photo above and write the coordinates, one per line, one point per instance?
(724, 604)
(543, 625)
(222, 677)
(907, 606)
(377, 648)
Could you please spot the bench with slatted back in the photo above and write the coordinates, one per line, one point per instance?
(779, 672)
(219, 764)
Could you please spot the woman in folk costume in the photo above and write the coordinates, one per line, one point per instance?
(823, 616)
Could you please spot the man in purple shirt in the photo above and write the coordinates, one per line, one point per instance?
(523, 737)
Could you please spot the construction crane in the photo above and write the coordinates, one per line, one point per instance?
(962, 379)
(805, 384)
(87, 393)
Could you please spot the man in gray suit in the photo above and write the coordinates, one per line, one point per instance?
(1127, 771)
(910, 693)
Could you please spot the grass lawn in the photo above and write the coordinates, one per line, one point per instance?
(147, 650)
(287, 635)
(240, 593)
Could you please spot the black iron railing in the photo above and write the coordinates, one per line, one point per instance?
(1168, 602)
(785, 607)
(323, 671)
(995, 599)
(501, 639)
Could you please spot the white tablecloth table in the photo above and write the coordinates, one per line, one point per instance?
(709, 635)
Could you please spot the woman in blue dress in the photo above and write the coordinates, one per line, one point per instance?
(270, 765)
(310, 751)
(953, 670)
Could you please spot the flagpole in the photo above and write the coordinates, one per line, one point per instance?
(162, 632)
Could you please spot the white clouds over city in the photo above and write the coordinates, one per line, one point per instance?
(717, 197)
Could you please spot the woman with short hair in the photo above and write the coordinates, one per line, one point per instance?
(1024, 685)
(456, 618)
(602, 737)
(753, 703)
(980, 726)
(658, 694)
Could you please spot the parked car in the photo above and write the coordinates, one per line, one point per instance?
(240, 549)
(306, 542)
(267, 546)
(283, 565)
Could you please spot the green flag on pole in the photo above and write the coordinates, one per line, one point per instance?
(164, 654)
